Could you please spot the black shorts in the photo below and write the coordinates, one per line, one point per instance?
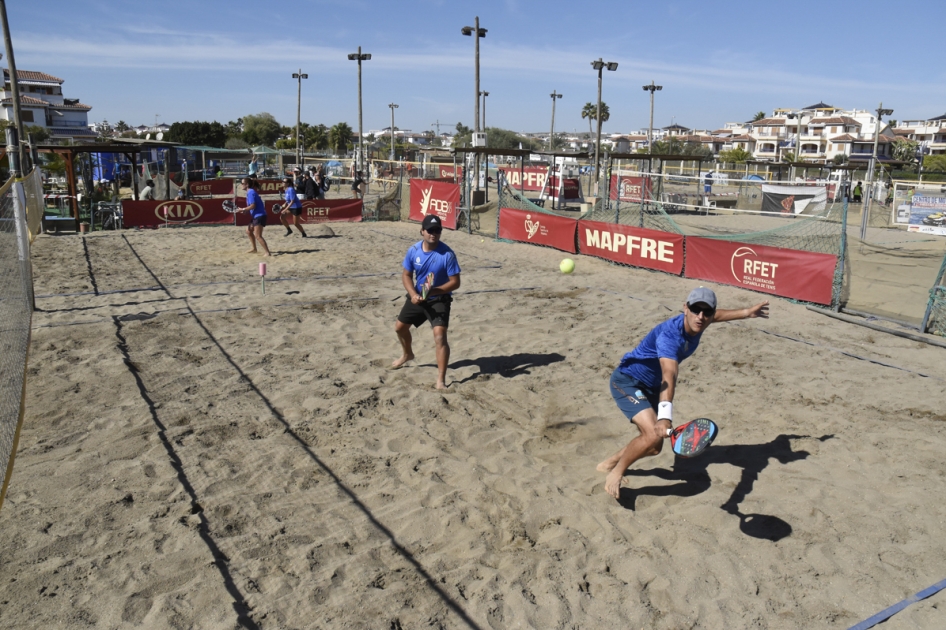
(295, 211)
(260, 221)
(437, 312)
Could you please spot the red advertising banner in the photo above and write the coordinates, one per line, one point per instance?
(650, 249)
(270, 186)
(630, 188)
(786, 272)
(569, 188)
(313, 211)
(448, 171)
(439, 198)
(540, 229)
(530, 178)
(174, 212)
(223, 186)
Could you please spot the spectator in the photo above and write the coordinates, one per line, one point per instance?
(357, 186)
(858, 191)
(254, 166)
(147, 193)
(311, 190)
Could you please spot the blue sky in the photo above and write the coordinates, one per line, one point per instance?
(717, 61)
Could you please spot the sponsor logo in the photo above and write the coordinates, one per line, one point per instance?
(630, 190)
(417, 260)
(429, 205)
(640, 395)
(749, 270)
(532, 227)
(635, 245)
(315, 211)
(179, 211)
(531, 179)
(788, 203)
(266, 187)
(201, 189)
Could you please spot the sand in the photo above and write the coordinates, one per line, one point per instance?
(198, 455)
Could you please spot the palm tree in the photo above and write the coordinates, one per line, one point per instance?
(758, 116)
(590, 111)
(339, 136)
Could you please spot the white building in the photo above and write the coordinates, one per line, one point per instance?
(930, 133)
(42, 104)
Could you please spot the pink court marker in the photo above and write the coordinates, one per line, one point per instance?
(262, 276)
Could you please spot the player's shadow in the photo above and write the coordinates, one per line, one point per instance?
(506, 366)
(293, 252)
(694, 478)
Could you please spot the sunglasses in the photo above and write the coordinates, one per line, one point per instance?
(434, 231)
(697, 309)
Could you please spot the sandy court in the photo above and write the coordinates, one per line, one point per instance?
(198, 455)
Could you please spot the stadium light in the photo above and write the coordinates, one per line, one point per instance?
(299, 77)
(393, 106)
(650, 130)
(865, 208)
(599, 65)
(476, 33)
(555, 96)
(359, 57)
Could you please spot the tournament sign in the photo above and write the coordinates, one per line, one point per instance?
(174, 212)
(223, 186)
(640, 247)
(789, 273)
(538, 228)
(626, 188)
(928, 214)
(528, 178)
(438, 198)
(313, 211)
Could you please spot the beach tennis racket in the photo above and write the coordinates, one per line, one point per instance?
(425, 288)
(694, 437)
(229, 206)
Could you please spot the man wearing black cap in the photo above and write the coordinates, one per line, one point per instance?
(428, 256)
(645, 381)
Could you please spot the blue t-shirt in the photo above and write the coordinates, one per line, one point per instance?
(668, 341)
(253, 199)
(292, 199)
(442, 262)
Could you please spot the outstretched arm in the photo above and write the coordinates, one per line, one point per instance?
(727, 315)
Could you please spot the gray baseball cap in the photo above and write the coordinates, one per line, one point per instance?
(704, 295)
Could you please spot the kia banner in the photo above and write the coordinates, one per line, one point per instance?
(223, 186)
(538, 228)
(627, 188)
(175, 212)
(639, 247)
(437, 198)
(313, 211)
(789, 273)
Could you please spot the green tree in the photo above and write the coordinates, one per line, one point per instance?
(198, 133)
(504, 139)
(904, 150)
(235, 142)
(463, 137)
(339, 137)
(54, 163)
(735, 156)
(758, 116)
(235, 128)
(260, 128)
(590, 111)
(934, 163)
(121, 126)
(840, 159)
(40, 134)
(316, 138)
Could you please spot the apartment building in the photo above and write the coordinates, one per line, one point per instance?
(42, 104)
(929, 133)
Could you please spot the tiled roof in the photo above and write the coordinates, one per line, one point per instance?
(27, 100)
(835, 120)
(770, 121)
(30, 75)
(76, 106)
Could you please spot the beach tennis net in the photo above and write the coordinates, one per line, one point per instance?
(16, 310)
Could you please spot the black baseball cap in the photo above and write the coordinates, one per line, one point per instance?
(431, 221)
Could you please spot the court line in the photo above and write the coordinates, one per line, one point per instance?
(887, 613)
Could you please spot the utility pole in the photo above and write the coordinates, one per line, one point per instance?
(650, 129)
(393, 106)
(476, 33)
(359, 57)
(299, 76)
(485, 94)
(555, 96)
(599, 65)
(865, 207)
(11, 66)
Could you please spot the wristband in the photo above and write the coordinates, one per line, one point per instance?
(665, 411)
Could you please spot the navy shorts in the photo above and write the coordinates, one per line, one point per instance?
(260, 221)
(437, 312)
(630, 395)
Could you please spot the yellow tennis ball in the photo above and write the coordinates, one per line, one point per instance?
(567, 265)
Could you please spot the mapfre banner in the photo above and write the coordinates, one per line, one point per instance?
(223, 186)
(540, 229)
(437, 198)
(786, 272)
(174, 212)
(630, 188)
(529, 178)
(313, 211)
(639, 247)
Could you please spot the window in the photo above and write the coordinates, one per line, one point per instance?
(27, 115)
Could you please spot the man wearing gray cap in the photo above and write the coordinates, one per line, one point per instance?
(644, 383)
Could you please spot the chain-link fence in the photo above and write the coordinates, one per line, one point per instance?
(936, 309)
(18, 200)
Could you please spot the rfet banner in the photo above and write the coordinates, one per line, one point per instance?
(630, 188)
(790, 273)
(540, 229)
(175, 212)
(639, 247)
(313, 211)
(448, 171)
(437, 198)
(223, 186)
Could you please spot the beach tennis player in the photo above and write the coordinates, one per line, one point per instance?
(254, 205)
(292, 207)
(644, 383)
(428, 256)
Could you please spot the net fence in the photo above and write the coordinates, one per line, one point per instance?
(936, 309)
(19, 205)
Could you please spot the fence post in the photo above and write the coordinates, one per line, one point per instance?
(940, 280)
(836, 298)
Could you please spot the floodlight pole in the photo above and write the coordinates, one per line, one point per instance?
(393, 106)
(476, 33)
(359, 57)
(599, 65)
(299, 77)
(555, 96)
(650, 129)
(11, 67)
(865, 207)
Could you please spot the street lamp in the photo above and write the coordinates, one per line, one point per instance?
(299, 76)
(555, 96)
(599, 65)
(359, 57)
(393, 106)
(650, 130)
(484, 94)
(865, 208)
(476, 33)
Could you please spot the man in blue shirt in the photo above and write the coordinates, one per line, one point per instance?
(644, 383)
(428, 255)
(292, 206)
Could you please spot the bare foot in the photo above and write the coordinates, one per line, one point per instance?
(607, 465)
(251, 251)
(612, 485)
(440, 385)
(267, 254)
(404, 359)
